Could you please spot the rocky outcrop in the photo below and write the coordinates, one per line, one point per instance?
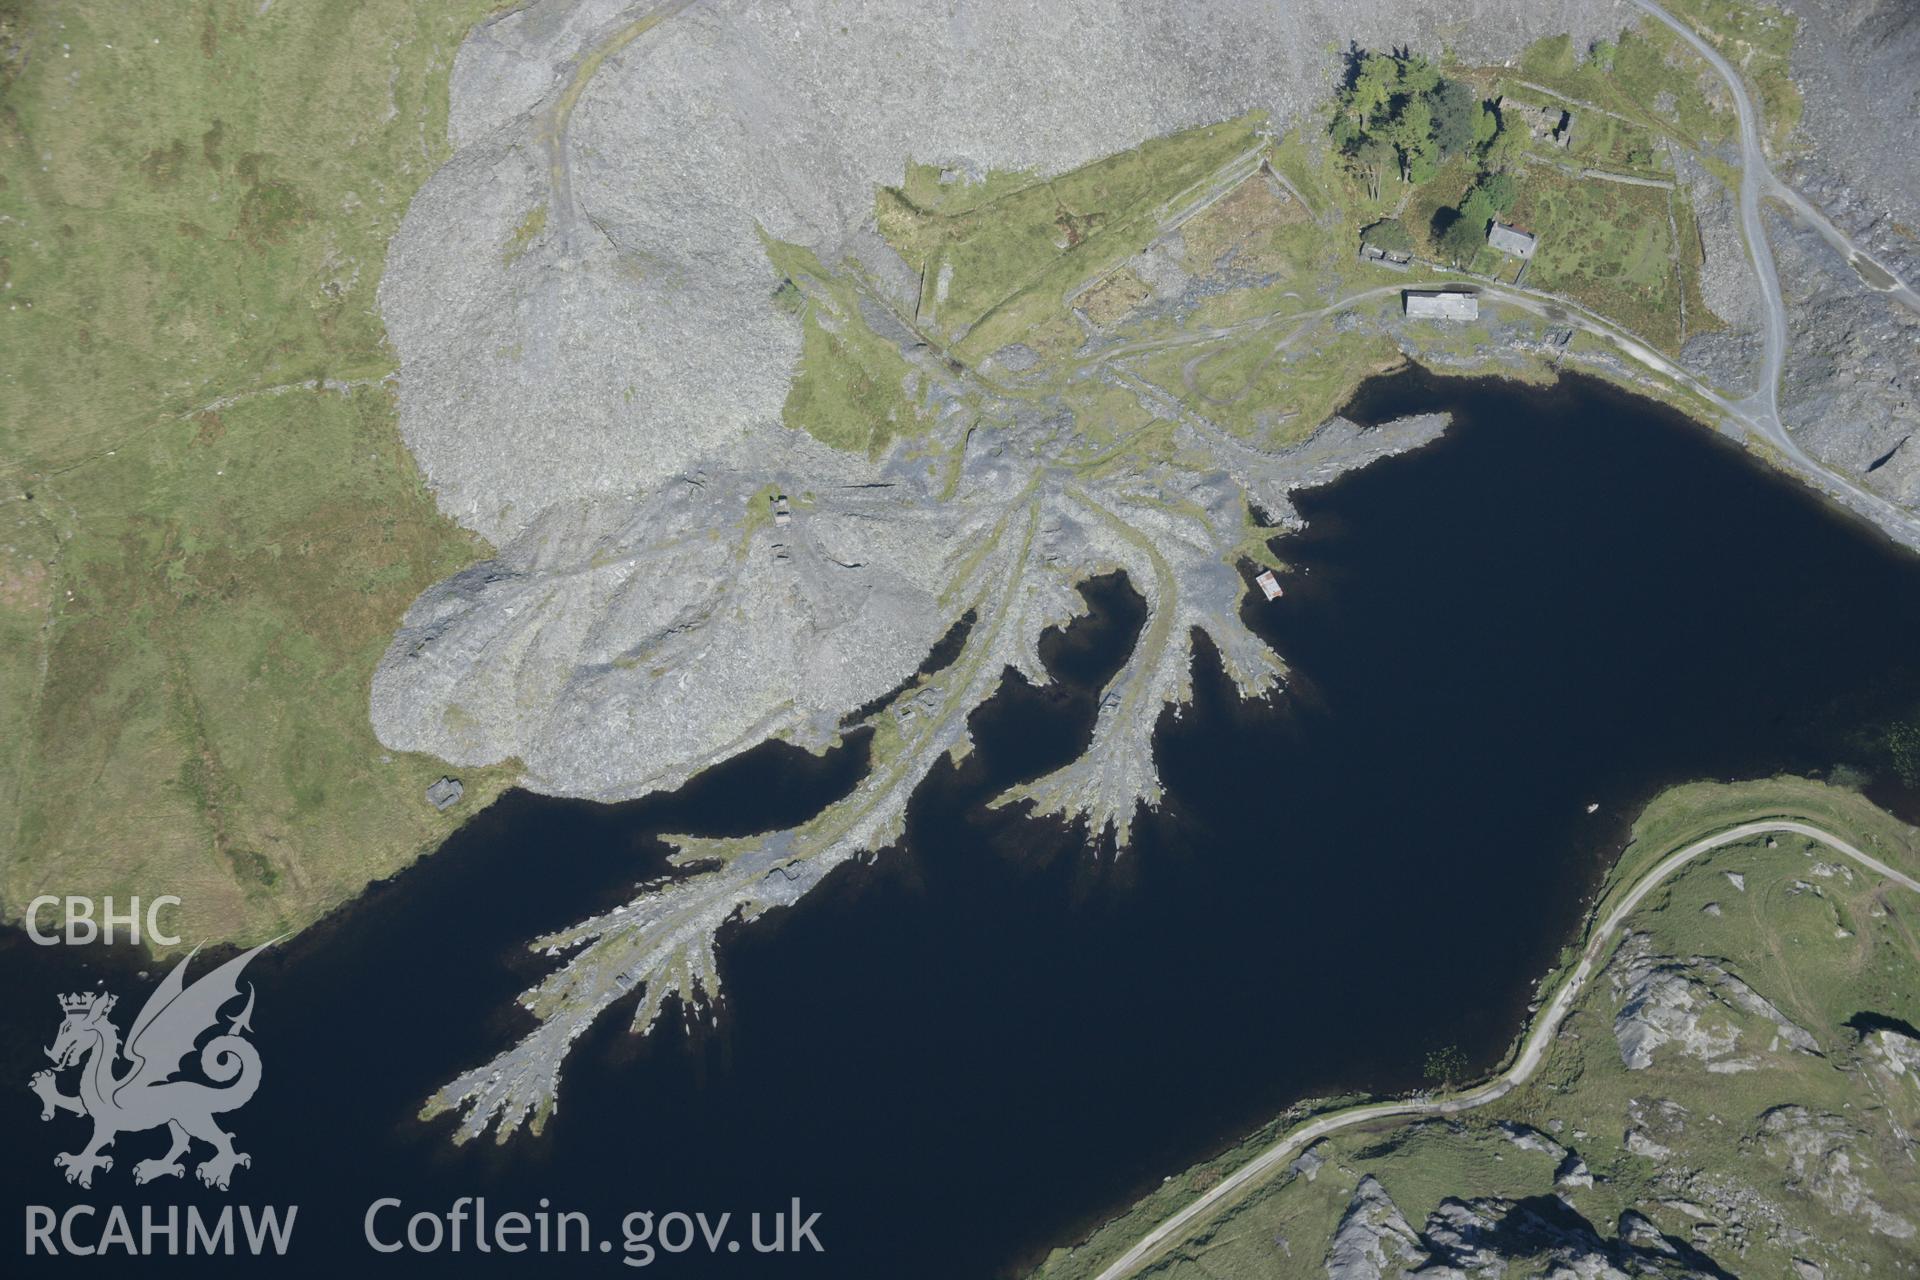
(1894, 1053)
(1309, 1162)
(1528, 1138)
(1653, 1126)
(1569, 1171)
(1820, 1154)
(1373, 1239)
(1543, 1236)
(1666, 1000)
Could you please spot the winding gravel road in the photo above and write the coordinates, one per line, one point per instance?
(1760, 411)
(1531, 1055)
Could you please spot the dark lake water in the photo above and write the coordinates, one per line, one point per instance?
(987, 1041)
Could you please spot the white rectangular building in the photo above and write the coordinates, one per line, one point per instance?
(1441, 304)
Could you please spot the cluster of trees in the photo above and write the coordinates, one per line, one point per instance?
(1397, 112)
(1389, 235)
(1463, 229)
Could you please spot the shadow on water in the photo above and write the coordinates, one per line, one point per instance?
(979, 1044)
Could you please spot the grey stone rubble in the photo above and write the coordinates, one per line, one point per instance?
(593, 372)
(1728, 356)
(1726, 273)
(1741, 1213)
(1009, 545)
(1850, 392)
(1854, 150)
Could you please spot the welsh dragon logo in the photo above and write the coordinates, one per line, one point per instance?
(145, 1095)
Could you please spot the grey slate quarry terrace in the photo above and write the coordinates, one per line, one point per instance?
(604, 403)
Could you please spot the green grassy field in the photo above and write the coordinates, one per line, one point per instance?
(1278, 397)
(1254, 231)
(1629, 253)
(1011, 245)
(853, 389)
(1608, 142)
(1758, 40)
(1608, 246)
(211, 528)
(1654, 79)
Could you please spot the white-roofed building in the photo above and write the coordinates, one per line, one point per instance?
(1441, 304)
